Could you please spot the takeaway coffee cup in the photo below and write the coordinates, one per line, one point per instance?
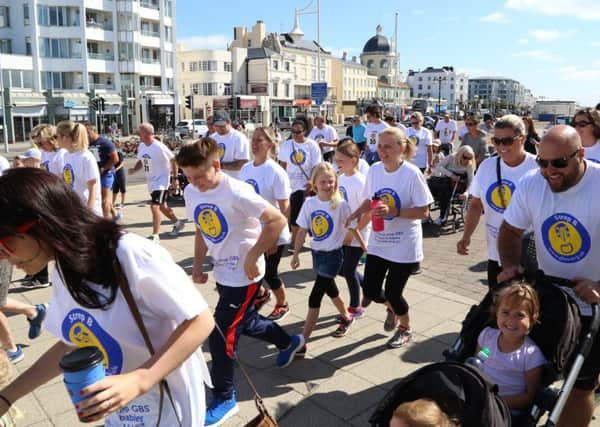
(81, 368)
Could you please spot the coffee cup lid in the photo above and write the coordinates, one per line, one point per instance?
(80, 359)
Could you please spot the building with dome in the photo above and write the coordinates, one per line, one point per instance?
(379, 57)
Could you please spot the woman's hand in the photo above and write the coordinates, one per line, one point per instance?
(295, 262)
(111, 394)
(381, 210)
(199, 276)
(587, 290)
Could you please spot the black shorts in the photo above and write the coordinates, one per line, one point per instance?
(296, 202)
(119, 185)
(158, 197)
(588, 376)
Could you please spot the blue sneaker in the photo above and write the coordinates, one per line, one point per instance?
(35, 324)
(220, 410)
(285, 357)
(15, 356)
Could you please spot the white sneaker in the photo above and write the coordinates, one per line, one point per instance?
(155, 238)
(177, 228)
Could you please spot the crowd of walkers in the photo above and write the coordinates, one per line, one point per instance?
(366, 195)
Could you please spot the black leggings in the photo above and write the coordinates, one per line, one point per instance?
(441, 190)
(354, 279)
(272, 263)
(322, 286)
(398, 273)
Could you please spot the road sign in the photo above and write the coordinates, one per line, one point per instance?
(318, 91)
(69, 104)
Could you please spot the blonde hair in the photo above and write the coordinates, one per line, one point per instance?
(46, 133)
(424, 413)
(515, 293)
(457, 157)
(417, 115)
(336, 198)
(349, 149)
(399, 137)
(76, 132)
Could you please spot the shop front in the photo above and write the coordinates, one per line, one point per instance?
(281, 108)
(161, 111)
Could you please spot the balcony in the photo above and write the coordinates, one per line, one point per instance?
(149, 5)
(150, 88)
(150, 61)
(101, 56)
(150, 33)
(102, 86)
(106, 26)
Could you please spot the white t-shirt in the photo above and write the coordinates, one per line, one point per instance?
(363, 167)
(485, 187)
(508, 369)
(352, 188)
(166, 298)
(325, 223)
(445, 130)
(156, 159)
(54, 161)
(463, 131)
(423, 140)
(593, 153)
(4, 164)
(372, 134)
(401, 126)
(300, 159)
(228, 218)
(79, 168)
(232, 146)
(327, 134)
(402, 239)
(566, 225)
(272, 183)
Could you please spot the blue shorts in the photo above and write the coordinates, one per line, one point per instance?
(327, 263)
(107, 179)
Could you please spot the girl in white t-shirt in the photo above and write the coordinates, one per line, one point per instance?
(515, 361)
(80, 170)
(53, 157)
(324, 215)
(351, 185)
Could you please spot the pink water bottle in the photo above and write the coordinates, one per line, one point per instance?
(376, 221)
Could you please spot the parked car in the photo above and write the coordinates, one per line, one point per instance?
(185, 127)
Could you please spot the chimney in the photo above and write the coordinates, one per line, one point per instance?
(344, 56)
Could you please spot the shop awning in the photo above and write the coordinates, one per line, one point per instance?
(30, 111)
(161, 99)
(302, 101)
(112, 109)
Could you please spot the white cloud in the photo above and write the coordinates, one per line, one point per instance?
(545, 35)
(523, 41)
(538, 54)
(572, 73)
(418, 12)
(587, 10)
(496, 17)
(215, 41)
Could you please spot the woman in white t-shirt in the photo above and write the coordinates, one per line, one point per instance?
(53, 157)
(94, 260)
(351, 185)
(422, 139)
(587, 124)
(270, 181)
(397, 250)
(80, 169)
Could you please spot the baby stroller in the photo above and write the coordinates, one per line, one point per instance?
(556, 334)
(460, 390)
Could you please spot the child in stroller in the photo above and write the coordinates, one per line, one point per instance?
(421, 413)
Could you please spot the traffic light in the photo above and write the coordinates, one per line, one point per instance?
(101, 103)
(94, 104)
(188, 102)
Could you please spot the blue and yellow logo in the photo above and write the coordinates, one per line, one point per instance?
(254, 185)
(46, 166)
(69, 175)
(211, 222)
(594, 161)
(414, 140)
(221, 150)
(565, 238)
(321, 225)
(390, 198)
(298, 157)
(495, 194)
(344, 193)
(81, 328)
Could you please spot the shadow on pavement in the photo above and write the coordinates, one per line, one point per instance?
(429, 350)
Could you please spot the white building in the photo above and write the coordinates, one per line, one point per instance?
(549, 109)
(440, 83)
(500, 92)
(68, 51)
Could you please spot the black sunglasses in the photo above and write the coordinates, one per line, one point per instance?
(509, 140)
(467, 158)
(580, 124)
(561, 163)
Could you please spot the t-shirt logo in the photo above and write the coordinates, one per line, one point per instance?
(298, 157)
(496, 194)
(321, 225)
(414, 140)
(211, 222)
(373, 138)
(147, 164)
(254, 185)
(46, 166)
(221, 150)
(344, 193)
(593, 160)
(69, 175)
(81, 328)
(565, 238)
(319, 138)
(390, 198)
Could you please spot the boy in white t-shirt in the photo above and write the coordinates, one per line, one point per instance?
(326, 136)
(234, 148)
(237, 226)
(374, 127)
(159, 166)
(445, 130)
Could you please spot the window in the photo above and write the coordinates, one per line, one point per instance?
(182, 66)
(420, 79)
(4, 16)
(420, 87)
(322, 75)
(25, 13)
(27, 45)
(451, 87)
(60, 48)
(62, 80)
(59, 16)
(383, 64)
(194, 66)
(314, 75)
(5, 46)
(275, 85)
(227, 89)
(314, 60)
(168, 34)
(275, 65)
(286, 89)
(249, 43)
(227, 67)
(370, 63)
(287, 66)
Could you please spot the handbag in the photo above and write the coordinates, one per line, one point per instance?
(528, 252)
(263, 419)
(163, 385)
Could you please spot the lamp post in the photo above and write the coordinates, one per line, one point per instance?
(4, 128)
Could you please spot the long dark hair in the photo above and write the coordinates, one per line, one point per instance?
(83, 244)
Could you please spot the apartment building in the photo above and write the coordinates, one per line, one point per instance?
(500, 92)
(353, 85)
(57, 55)
(444, 84)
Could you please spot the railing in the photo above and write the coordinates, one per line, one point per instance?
(149, 5)
(102, 86)
(149, 87)
(101, 26)
(150, 61)
(102, 56)
(150, 33)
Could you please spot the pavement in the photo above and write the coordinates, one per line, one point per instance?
(342, 379)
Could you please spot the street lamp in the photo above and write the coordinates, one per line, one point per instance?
(439, 80)
(4, 127)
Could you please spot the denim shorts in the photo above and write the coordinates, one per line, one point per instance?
(327, 263)
(107, 179)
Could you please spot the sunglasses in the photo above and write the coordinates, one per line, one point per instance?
(23, 228)
(581, 124)
(467, 158)
(509, 140)
(471, 124)
(561, 163)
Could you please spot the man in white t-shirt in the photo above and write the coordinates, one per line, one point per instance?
(391, 120)
(374, 127)
(445, 131)
(237, 226)
(421, 137)
(486, 194)
(234, 148)
(326, 136)
(559, 203)
(159, 166)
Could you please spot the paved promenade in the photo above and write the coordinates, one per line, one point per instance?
(341, 379)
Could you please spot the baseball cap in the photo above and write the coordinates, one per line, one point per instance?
(221, 118)
(31, 153)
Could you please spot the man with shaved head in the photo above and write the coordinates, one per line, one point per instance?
(559, 203)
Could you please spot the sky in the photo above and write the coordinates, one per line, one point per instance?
(550, 46)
